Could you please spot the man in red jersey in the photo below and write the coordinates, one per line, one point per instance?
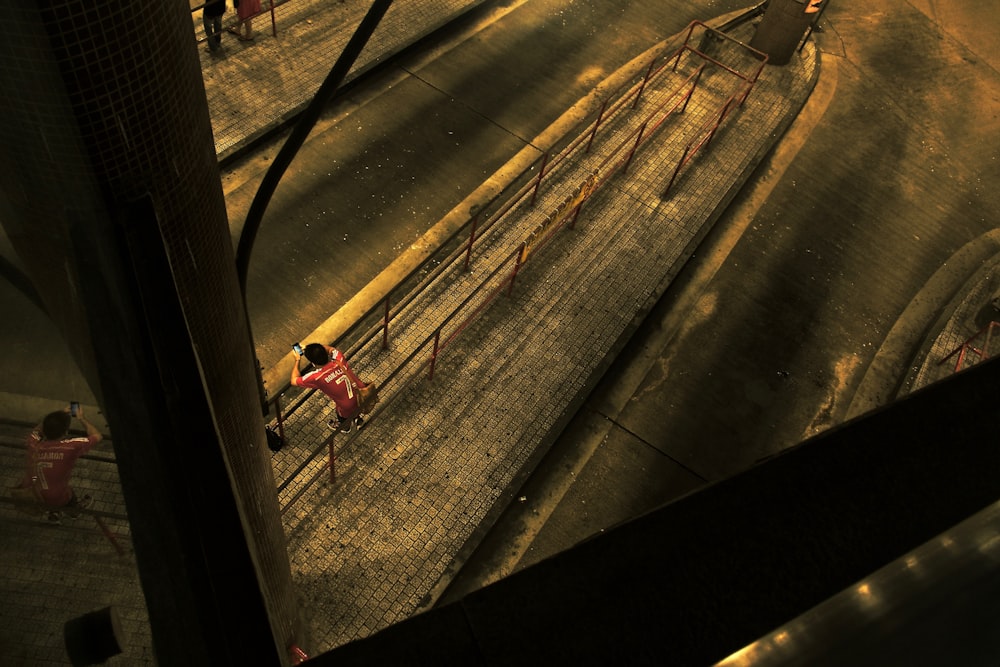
(51, 456)
(336, 379)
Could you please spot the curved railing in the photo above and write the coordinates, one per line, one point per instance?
(975, 349)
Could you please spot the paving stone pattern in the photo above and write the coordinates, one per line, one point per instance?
(965, 326)
(53, 573)
(440, 458)
(245, 105)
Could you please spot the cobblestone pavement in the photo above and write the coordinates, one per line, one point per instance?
(253, 86)
(413, 489)
(439, 458)
(55, 572)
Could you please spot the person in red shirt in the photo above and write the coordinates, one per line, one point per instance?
(335, 378)
(51, 456)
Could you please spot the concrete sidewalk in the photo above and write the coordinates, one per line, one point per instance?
(419, 487)
(255, 87)
(416, 490)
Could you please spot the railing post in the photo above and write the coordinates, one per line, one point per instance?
(753, 81)
(521, 256)
(434, 352)
(576, 214)
(676, 171)
(472, 238)
(109, 535)
(722, 118)
(989, 337)
(694, 85)
(385, 324)
(538, 182)
(600, 117)
(281, 419)
(642, 86)
(961, 358)
(638, 139)
(677, 58)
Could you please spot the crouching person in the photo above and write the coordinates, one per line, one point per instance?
(334, 377)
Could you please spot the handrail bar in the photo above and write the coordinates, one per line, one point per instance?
(509, 204)
(986, 331)
(460, 251)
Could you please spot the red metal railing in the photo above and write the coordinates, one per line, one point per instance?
(705, 134)
(298, 655)
(524, 192)
(35, 507)
(980, 352)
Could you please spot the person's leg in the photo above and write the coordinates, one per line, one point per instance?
(344, 424)
(356, 419)
(245, 30)
(209, 23)
(56, 512)
(76, 504)
(340, 422)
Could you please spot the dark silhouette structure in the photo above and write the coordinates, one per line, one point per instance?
(122, 194)
(122, 191)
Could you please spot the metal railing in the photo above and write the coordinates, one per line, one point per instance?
(979, 345)
(38, 511)
(706, 132)
(455, 255)
(266, 7)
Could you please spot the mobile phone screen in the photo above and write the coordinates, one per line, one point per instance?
(297, 348)
(74, 408)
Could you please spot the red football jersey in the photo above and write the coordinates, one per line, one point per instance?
(50, 465)
(338, 381)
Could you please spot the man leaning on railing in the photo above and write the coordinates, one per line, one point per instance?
(51, 457)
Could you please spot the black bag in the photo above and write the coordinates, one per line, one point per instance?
(274, 441)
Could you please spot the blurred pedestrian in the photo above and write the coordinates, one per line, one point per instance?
(51, 456)
(245, 11)
(211, 16)
(335, 378)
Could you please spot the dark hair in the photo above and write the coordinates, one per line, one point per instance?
(317, 354)
(55, 425)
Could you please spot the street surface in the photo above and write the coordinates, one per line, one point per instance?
(806, 306)
(815, 285)
(375, 174)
